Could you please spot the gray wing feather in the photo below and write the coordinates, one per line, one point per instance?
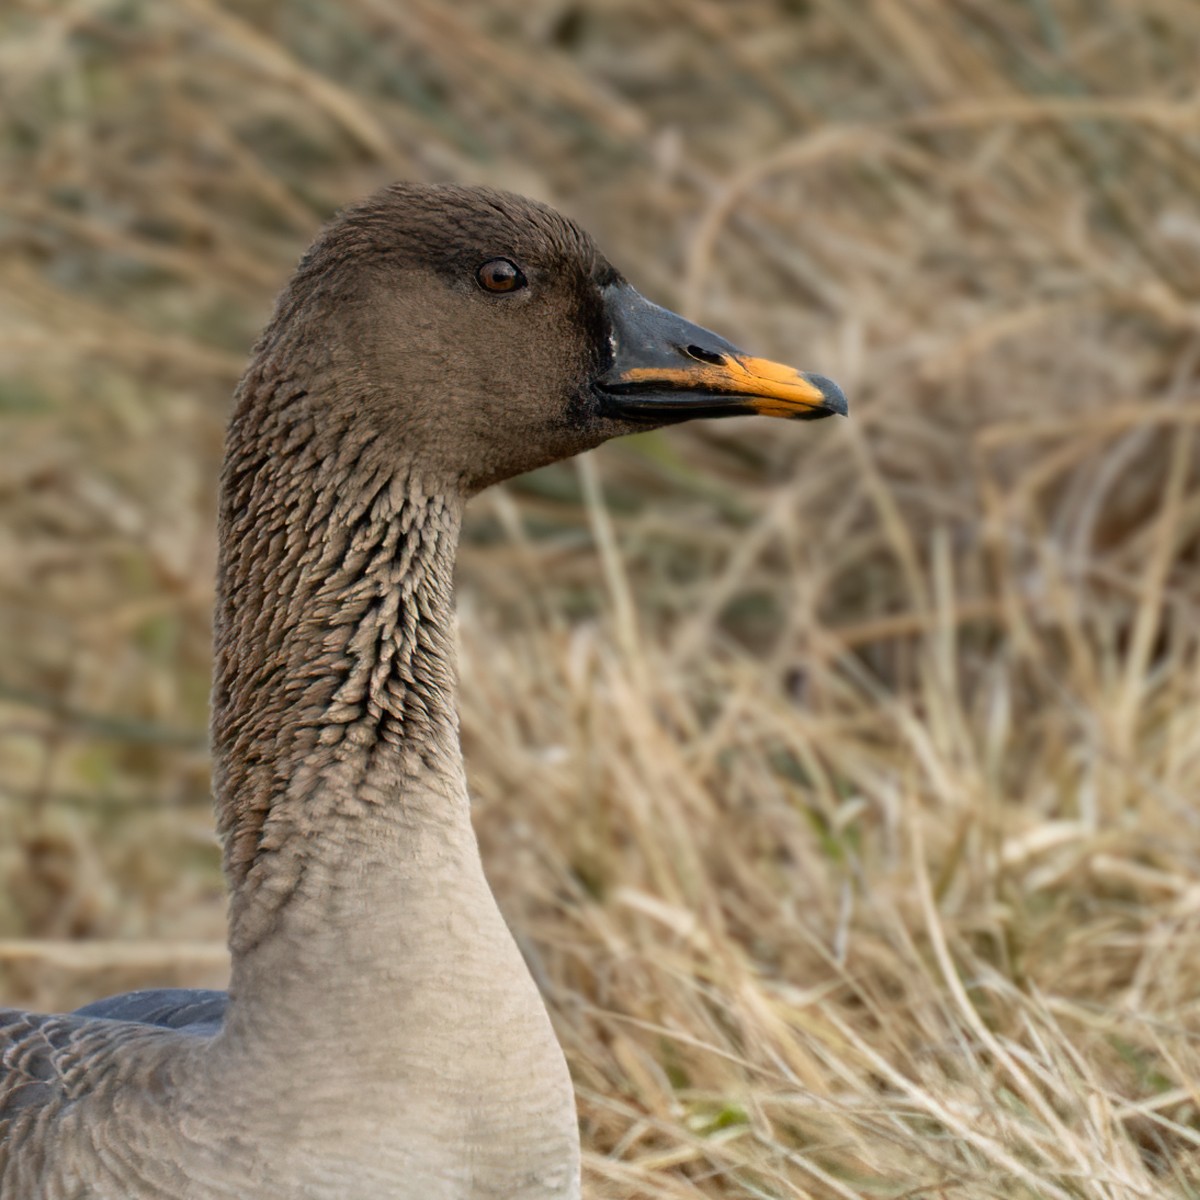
(44, 1056)
(194, 1010)
(30, 1051)
(78, 1088)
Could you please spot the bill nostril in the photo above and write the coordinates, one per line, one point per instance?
(708, 356)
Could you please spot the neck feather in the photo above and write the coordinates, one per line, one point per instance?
(371, 964)
(334, 644)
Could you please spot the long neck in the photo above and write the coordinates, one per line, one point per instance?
(335, 674)
(370, 962)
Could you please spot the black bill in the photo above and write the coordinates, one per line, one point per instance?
(665, 368)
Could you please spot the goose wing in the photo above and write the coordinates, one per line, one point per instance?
(195, 1010)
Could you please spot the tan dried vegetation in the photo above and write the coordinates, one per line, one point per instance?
(839, 780)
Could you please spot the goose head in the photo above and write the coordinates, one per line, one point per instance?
(478, 335)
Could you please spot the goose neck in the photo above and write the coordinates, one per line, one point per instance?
(334, 726)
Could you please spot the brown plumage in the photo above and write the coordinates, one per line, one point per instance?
(381, 1036)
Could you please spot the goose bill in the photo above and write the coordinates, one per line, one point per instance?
(666, 368)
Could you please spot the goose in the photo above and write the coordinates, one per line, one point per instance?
(381, 1036)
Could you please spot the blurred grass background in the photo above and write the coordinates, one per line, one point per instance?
(838, 780)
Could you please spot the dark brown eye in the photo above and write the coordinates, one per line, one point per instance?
(500, 275)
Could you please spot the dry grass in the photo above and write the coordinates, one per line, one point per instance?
(856, 846)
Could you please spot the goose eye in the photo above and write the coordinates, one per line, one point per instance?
(500, 275)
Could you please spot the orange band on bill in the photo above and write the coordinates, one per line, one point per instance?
(768, 388)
